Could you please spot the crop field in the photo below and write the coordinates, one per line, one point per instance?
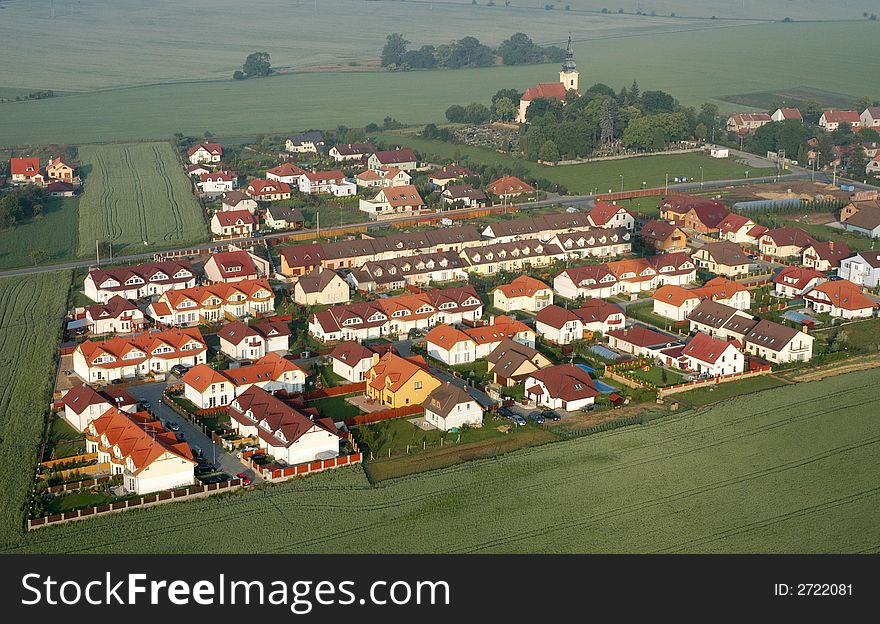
(135, 193)
(793, 469)
(705, 64)
(50, 238)
(32, 309)
(600, 176)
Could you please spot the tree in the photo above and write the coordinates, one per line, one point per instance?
(708, 115)
(701, 132)
(541, 107)
(606, 120)
(238, 75)
(455, 114)
(519, 49)
(864, 102)
(423, 58)
(395, 48)
(786, 135)
(476, 113)
(504, 109)
(656, 102)
(857, 162)
(257, 64)
(549, 152)
(634, 92)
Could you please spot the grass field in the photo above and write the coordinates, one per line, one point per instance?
(32, 310)
(135, 193)
(701, 65)
(790, 470)
(599, 177)
(54, 233)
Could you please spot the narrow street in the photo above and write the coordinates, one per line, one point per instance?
(214, 453)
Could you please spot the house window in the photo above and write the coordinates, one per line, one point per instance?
(418, 385)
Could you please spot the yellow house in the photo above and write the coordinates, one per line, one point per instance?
(397, 382)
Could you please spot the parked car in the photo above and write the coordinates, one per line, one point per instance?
(538, 417)
(197, 452)
(245, 478)
(214, 478)
(518, 420)
(257, 457)
(172, 426)
(180, 437)
(179, 369)
(145, 404)
(204, 469)
(506, 412)
(551, 415)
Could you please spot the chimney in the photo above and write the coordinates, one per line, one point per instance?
(492, 320)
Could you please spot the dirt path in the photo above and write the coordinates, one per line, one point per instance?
(850, 365)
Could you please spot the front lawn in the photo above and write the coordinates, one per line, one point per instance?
(78, 500)
(475, 371)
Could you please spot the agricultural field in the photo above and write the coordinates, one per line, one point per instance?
(711, 62)
(136, 193)
(593, 177)
(32, 310)
(793, 469)
(48, 239)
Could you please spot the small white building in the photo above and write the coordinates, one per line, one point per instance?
(862, 269)
(450, 345)
(719, 152)
(564, 386)
(713, 357)
(450, 407)
(351, 361)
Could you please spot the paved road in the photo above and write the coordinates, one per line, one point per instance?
(226, 462)
(481, 397)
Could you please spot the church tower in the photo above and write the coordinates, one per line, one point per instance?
(569, 76)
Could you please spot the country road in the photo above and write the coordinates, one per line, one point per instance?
(798, 173)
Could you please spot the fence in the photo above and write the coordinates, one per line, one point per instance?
(630, 194)
(81, 485)
(88, 470)
(69, 460)
(319, 465)
(397, 412)
(763, 370)
(191, 492)
(323, 393)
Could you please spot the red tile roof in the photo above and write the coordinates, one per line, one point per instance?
(552, 90)
(705, 348)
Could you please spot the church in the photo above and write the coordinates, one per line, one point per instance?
(568, 81)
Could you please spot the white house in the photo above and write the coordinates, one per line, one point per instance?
(523, 293)
(205, 153)
(135, 282)
(862, 269)
(450, 346)
(117, 316)
(217, 182)
(252, 342)
(841, 299)
(135, 356)
(870, 117)
(559, 325)
(401, 158)
(779, 344)
(450, 407)
(713, 357)
(237, 223)
(793, 281)
(283, 432)
(564, 386)
(83, 404)
(351, 361)
(305, 142)
(345, 152)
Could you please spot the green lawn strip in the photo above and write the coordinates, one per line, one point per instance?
(64, 440)
(721, 392)
(336, 407)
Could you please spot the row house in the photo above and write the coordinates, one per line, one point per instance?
(213, 303)
(252, 342)
(594, 243)
(394, 316)
(208, 388)
(418, 270)
(629, 276)
(134, 356)
(514, 256)
(117, 316)
(289, 434)
(460, 346)
(138, 281)
(138, 448)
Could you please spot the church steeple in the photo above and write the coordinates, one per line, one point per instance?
(569, 76)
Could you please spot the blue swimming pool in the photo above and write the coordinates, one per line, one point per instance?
(589, 369)
(603, 387)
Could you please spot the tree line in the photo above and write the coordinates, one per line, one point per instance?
(518, 49)
(24, 202)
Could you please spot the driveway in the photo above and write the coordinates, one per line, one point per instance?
(224, 460)
(481, 397)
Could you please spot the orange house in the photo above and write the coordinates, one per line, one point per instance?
(60, 169)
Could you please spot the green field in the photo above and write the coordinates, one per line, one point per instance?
(790, 470)
(586, 178)
(704, 64)
(53, 234)
(32, 310)
(135, 193)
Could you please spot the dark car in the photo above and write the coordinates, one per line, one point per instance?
(551, 415)
(179, 369)
(214, 478)
(506, 412)
(180, 437)
(258, 457)
(538, 417)
(204, 469)
(146, 404)
(172, 426)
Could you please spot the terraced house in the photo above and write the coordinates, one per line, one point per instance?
(594, 243)
(460, 346)
(135, 282)
(514, 256)
(137, 447)
(213, 303)
(252, 342)
(117, 316)
(133, 356)
(417, 270)
(629, 276)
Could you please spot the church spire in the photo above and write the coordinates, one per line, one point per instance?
(568, 65)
